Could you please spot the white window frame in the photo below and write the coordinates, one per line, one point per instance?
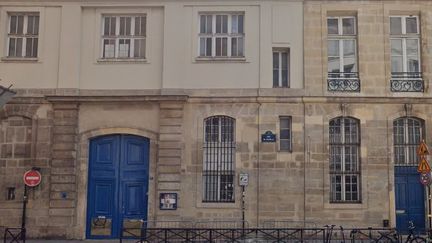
(341, 37)
(117, 37)
(215, 35)
(24, 36)
(279, 51)
(404, 37)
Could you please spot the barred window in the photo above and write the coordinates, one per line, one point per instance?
(344, 160)
(219, 157)
(407, 134)
(23, 34)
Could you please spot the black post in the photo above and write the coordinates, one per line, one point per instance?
(243, 211)
(23, 220)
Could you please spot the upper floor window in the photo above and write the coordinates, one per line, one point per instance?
(281, 60)
(124, 36)
(342, 54)
(405, 54)
(407, 135)
(23, 35)
(218, 161)
(344, 160)
(221, 35)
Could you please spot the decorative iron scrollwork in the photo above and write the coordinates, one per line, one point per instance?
(407, 82)
(345, 82)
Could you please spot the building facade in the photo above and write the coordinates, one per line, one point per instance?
(129, 107)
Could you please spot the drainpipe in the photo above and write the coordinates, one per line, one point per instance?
(258, 159)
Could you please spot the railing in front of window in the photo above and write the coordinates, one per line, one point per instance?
(344, 82)
(406, 82)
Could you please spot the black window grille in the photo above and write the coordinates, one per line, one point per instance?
(344, 160)
(407, 135)
(219, 157)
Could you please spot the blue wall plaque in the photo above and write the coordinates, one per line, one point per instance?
(268, 137)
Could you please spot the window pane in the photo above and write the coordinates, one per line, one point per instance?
(240, 24)
(139, 48)
(395, 25)
(140, 26)
(284, 69)
(12, 47)
(106, 26)
(332, 26)
(397, 64)
(125, 25)
(412, 47)
(411, 25)
(234, 47)
(275, 69)
(13, 24)
(234, 24)
(221, 23)
(348, 26)
(221, 46)
(333, 56)
(209, 47)
(36, 25)
(396, 47)
(124, 48)
(109, 48)
(30, 24)
(333, 48)
(20, 27)
(413, 64)
(349, 47)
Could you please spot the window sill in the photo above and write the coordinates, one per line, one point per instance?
(221, 59)
(217, 205)
(120, 60)
(20, 59)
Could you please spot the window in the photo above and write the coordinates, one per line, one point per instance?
(408, 133)
(344, 160)
(342, 54)
(342, 47)
(124, 37)
(218, 161)
(405, 44)
(285, 133)
(23, 35)
(221, 35)
(281, 68)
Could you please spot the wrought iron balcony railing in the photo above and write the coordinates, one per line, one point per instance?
(406, 82)
(344, 82)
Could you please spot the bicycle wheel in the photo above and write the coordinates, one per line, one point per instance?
(418, 239)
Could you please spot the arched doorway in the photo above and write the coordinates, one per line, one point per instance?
(117, 184)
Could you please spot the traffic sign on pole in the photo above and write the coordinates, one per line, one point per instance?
(32, 178)
(422, 150)
(425, 179)
(423, 166)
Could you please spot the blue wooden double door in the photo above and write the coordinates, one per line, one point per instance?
(410, 199)
(118, 184)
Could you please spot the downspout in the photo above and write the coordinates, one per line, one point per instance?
(306, 151)
(258, 158)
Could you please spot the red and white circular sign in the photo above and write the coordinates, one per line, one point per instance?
(32, 178)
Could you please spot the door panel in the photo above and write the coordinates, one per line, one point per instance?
(118, 184)
(409, 194)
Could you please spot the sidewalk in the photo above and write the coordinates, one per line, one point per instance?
(79, 241)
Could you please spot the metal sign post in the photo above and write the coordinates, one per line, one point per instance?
(425, 176)
(243, 182)
(31, 178)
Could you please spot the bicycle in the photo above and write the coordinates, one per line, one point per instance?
(393, 237)
(329, 233)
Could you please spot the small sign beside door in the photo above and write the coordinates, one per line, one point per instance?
(168, 201)
(243, 179)
(268, 137)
